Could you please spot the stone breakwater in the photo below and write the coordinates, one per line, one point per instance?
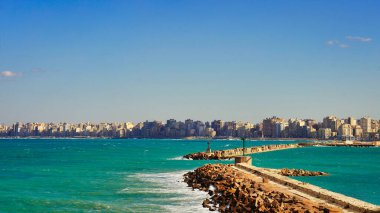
(349, 204)
(300, 172)
(230, 153)
(233, 191)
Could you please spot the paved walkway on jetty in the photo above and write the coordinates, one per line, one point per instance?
(231, 153)
(309, 191)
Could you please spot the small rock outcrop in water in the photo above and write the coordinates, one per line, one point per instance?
(204, 156)
(231, 191)
(300, 172)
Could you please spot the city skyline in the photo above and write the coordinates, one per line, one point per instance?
(100, 61)
(331, 127)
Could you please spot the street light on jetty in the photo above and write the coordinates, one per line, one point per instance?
(243, 139)
(208, 150)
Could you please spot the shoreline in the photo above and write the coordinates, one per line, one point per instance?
(183, 138)
(172, 138)
(302, 141)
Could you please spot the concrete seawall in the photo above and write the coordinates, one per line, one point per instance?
(345, 202)
(230, 153)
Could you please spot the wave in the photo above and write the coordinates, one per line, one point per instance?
(167, 191)
(178, 158)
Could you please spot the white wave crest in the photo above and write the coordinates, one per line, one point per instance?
(178, 158)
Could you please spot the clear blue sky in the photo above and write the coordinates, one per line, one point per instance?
(143, 60)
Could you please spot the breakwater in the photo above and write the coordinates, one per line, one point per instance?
(234, 191)
(345, 202)
(231, 153)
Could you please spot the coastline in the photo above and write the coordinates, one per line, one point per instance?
(302, 141)
(174, 138)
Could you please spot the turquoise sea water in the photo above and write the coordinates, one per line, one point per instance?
(131, 175)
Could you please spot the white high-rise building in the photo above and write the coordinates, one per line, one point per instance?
(365, 123)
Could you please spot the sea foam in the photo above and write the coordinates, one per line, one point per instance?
(178, 158)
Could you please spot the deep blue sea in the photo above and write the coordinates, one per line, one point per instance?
(145, 175)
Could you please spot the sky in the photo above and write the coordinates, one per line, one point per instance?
(114, 61)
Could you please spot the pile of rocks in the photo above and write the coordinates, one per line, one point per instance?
(232, 191)
(300, 172)
(204, 156)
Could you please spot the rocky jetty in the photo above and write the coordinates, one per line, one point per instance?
(204, 156)
(232, 191)
(231, 153)
(300, 172)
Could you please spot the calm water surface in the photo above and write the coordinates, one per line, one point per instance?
(91, 175)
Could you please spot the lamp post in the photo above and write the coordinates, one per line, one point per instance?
(243, 139)
(208, 150)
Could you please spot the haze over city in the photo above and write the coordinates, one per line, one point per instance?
(189, 106)
(79, 61)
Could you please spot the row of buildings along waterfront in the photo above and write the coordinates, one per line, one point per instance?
(330, 128)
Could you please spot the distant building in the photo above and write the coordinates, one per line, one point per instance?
(345, 131)
(278, 129)
(366, 123)
(358, 132)
(351, 121)
(375, 125)
(332, 123)
(324, 133)
(218, 126)
(269, 126)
